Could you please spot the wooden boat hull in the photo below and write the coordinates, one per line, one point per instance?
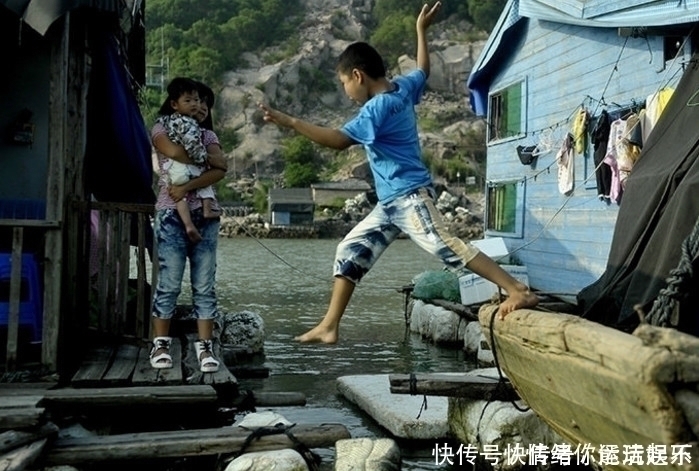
(596, 385)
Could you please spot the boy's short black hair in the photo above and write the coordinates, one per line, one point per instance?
(175, 89)
(362, 56)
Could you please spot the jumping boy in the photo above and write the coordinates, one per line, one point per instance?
(386, 126)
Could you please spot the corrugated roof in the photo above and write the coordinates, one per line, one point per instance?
(41, 14)
(290, 195)
(351, 184)
(605, 13)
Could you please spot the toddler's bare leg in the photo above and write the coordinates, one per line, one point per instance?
(190, 228)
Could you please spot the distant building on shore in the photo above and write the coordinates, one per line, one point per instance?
(327, 194)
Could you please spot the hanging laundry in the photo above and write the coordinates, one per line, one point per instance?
(616, 134)
(580, 122)
(629, 151)
(566, 166)
(600, 140)
(655, 104)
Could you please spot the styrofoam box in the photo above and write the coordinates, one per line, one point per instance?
(494, 248)
(475, 289)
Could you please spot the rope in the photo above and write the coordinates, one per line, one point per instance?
(501, 377)
(413, 392)
(679, 284)
(311, 459)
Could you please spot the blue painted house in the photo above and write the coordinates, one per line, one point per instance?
(544, 61)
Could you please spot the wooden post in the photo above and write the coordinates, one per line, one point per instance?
(141, 315)
(15, 293)
(123, 255)
(55, 194)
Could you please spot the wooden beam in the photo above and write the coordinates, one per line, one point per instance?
(452, 385)
(458, 308)
(129, 396)
(15, 292)
(21, 418)
(183, 443)
(22, 458)
(14, 439)
(55, 193)
(277, 399)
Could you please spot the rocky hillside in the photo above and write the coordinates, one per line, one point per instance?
(299, 78)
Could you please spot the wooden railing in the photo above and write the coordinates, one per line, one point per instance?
(104, 285)
(18, 228)
(121, 304)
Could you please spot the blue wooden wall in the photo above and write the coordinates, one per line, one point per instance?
(566, 239)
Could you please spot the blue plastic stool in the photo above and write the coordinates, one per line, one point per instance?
(30, 312)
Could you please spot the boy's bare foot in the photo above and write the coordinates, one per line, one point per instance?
(517, 300)
(319, 334)
(211, 213)
(193, 234)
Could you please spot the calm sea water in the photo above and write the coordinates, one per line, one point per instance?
(288, 282)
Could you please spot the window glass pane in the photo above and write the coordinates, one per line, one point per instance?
(514, 110)
(502, 207)
(506, 112)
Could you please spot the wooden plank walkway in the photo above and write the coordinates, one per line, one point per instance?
(27, 435)
(181, 443)
(129, 365)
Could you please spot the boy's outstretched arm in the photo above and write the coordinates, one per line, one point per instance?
(424, 20)
(328, 137)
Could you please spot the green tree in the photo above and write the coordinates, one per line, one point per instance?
(395, 36)
(485, 13)
(301, 161)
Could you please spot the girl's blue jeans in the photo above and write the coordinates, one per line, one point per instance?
(173, 250)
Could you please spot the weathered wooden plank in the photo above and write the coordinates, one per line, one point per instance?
(17, 401)
(222, 376)
(15, 285)
(142, 316)
(93, 367)
(460, 309)
(22, 389)
(123, 276)
(123, 366)
(103, 289)
(146, 375)
(594, 387)
(55, 192)
(129, 396)
(450, 385)
(20, 418)
(23, 457)
(248, 371)
(12, 439)
(276, 399)
(184, 443)
(28, 223)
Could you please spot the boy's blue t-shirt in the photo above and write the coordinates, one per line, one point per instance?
(386, 126)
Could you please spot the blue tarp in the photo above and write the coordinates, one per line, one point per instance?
(118, 159)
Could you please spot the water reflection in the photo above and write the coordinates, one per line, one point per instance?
(291, 296)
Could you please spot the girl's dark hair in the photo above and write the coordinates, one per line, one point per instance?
(175, 89)
(361, 56)
(206, 95)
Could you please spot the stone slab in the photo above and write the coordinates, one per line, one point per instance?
(397, 413)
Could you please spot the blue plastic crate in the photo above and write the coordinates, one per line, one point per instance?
(30, 312)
